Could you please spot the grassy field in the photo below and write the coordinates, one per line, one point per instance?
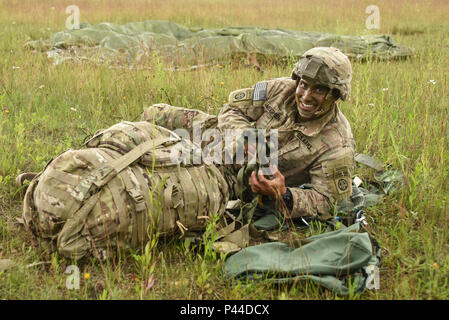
(398, 113)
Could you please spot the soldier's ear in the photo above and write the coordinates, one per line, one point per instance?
(297, 81)
(336, 94)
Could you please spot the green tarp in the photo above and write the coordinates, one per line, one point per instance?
(340, 260)
(135, 43)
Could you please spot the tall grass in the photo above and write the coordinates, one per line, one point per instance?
(397, 115)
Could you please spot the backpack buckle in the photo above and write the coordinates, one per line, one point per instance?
(135, 194)
(138, 199)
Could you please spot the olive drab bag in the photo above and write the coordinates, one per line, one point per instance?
(123, 186)
(345, 260)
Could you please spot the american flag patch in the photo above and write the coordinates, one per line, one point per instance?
(260, 91)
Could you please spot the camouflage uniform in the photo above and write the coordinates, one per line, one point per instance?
(318, 151)
(173, 118)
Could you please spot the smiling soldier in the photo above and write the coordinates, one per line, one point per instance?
(315, 141)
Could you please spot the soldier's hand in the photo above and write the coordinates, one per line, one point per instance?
(274, 188)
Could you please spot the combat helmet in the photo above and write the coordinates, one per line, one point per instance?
(327, 66)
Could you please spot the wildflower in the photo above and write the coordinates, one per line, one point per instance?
(73, 109)
(432, 81)
(14, 67)
(41, 86)
(371, 104)
(220, 67)
(385, 89)
(224, 101)
(436, 266)
(124, 98)
(180, 283)
(222, 83)
(6, 110)
(150, 282)
(134, 278)
(87, 276)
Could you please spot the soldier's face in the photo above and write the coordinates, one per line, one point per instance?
(312, 97)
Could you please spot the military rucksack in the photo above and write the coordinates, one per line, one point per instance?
(120, 188)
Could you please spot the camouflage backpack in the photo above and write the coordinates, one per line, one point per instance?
(123, 186)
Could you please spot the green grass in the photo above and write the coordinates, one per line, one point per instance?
(45, 109)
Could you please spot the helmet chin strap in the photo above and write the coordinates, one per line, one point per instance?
(326, 103)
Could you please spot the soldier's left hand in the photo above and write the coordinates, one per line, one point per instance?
(274, 188)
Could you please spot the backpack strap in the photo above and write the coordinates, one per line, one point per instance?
(124, 161)
(139, 193)
(73, 225)
(105, 173)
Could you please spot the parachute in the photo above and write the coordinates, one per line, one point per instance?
(135, 44)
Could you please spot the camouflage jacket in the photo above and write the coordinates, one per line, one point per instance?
(319, 151)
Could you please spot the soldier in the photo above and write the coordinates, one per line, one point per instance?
(315, 141)
(316, 147)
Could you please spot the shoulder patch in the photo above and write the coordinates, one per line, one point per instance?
(339, 175)
(260, 91)
(241, 95)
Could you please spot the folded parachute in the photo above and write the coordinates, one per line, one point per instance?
(136, 43)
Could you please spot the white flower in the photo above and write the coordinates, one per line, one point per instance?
(41, 86)
(385, 89)
(432, 81)
(73, 109)
(371, 104)
(14, 67)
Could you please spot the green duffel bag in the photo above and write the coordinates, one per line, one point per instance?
(344, 261)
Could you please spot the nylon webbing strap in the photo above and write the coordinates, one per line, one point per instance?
(104, 174)
(124, 161)
(143, 206)
(168, 194)
(75, 224)
(64, 177)
(140, 195)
